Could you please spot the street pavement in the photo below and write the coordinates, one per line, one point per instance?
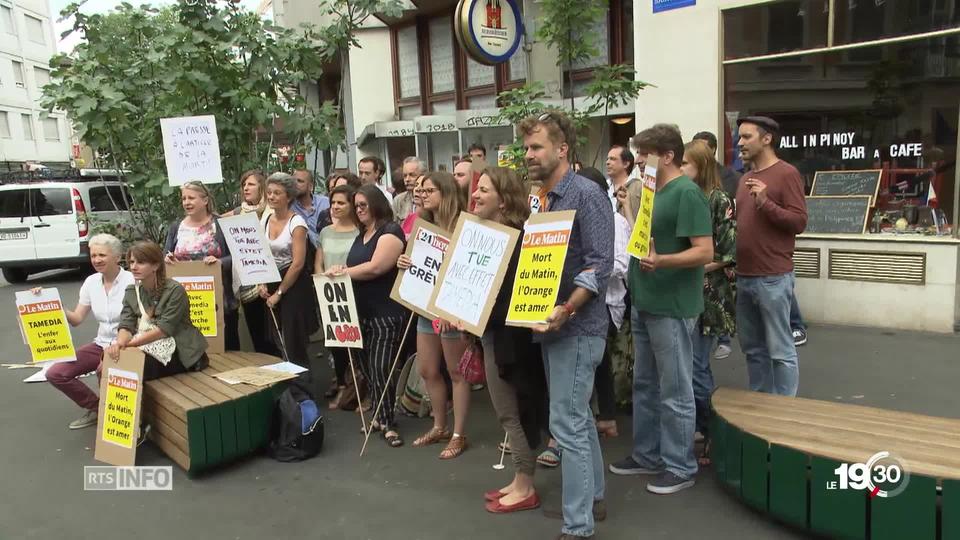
(406, 493)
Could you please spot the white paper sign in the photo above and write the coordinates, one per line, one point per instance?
(191, 149)
(252, 258)
(414, 286)
(472, 271)
(338, 311)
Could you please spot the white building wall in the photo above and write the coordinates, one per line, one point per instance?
(23, 44)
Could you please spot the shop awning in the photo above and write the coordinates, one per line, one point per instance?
(386, 129)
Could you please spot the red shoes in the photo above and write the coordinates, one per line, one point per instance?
(493, 495)
(495, 507)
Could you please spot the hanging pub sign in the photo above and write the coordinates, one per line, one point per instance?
(489, 31)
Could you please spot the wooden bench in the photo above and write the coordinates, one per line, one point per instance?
(779, 453)
(200, 421)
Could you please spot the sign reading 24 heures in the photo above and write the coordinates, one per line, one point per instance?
(489, 30)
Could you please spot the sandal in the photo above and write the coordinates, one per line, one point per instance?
(433, 436)
(505, 448)
(549, 457)
(374, 427)
(607, 428)
(704, 459)
(456, 446)
(393, 439)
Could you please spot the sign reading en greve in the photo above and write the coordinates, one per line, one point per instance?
(667, 5)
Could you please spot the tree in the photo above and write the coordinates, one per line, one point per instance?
(137, 65)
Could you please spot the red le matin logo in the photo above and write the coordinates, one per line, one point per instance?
(39, 307)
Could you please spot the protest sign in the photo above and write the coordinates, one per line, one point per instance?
(118, 423)
(44, 325)
(544, 250)
(252, 258)
(413, 287)
(255, 376)
(191, 149)
(338, 311)
(203, 283)
(472, 272)
(639, 244)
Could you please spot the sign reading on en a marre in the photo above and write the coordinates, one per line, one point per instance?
(338, 311)
(191, 149)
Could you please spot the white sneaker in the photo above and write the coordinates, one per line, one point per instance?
(88, 419)
(723, 351)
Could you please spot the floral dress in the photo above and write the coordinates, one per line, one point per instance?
(195, 243)
(719, 295)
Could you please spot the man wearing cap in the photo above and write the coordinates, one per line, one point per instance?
(771, 211)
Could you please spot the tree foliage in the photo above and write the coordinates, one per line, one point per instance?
(137, 65)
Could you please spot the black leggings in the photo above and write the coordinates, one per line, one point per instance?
(603, 383)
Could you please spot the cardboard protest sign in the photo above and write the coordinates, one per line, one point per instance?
(204, 286)
(542, 254)
(639, 244)
(425, 248)
(191, 149)
(338, 311)
(44, 326)
(472, 272)
(253, 261)
(121, 394)
(255, 376)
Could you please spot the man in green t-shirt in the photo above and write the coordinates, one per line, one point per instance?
(666, 290)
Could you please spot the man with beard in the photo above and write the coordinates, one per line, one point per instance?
(771, 211)
(413, 168)
(308, 204)
(573, 346)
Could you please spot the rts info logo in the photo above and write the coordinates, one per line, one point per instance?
(883, 475)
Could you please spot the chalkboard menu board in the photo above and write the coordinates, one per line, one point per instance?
(836, 183)
(837, 214)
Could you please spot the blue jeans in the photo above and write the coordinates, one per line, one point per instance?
(702, 377)
(571, 363)
(763, 322)
(796, 320)
(664, 412)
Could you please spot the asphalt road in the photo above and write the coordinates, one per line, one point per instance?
(405, 493)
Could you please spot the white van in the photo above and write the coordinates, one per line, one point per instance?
(44, 223)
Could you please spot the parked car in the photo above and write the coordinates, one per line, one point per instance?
(45, 222)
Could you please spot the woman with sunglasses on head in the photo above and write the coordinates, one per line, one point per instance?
(198, 237)
(441, 203)
(372, 266)
(335, 242)
(514, 369)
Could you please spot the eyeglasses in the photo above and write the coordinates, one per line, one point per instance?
(426, 191)
(361, 206)
(544, 117)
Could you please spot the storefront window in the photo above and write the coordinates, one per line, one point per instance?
(441, 54)
(482, 102)
(776, 27)
(408, 62)
(892, 107)
(868, 20)
(599, 32)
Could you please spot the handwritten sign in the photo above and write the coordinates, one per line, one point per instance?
(829, 183)
(639, 244)
(426, 249)
(191, 149)
(338, 310)
(842, 214)
(121, 391)
(252, 258)
(472, 272)
(44, 326)
(542, 254)
(255, 376)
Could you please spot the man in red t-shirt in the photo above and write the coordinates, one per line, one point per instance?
(771, 211)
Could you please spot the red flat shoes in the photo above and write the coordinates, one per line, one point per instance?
(529, 503)
(493, 495)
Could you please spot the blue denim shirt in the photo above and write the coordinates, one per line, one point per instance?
(320, 203)
(589, 255)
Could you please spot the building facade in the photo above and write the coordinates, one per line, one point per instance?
(856, 85)
(27, 42)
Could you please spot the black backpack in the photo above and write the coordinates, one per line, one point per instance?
(297, 432)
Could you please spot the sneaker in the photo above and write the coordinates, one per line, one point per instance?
(666, 483)
(88, 419)
(723, 351)
(799, 337)
(627, 467)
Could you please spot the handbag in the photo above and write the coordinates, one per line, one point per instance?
(161, 349)
(471, 365)
(248, 293)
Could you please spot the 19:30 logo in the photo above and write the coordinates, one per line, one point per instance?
(883, 475)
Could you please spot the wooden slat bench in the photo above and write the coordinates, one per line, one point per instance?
(200, 421)
(779, 454)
